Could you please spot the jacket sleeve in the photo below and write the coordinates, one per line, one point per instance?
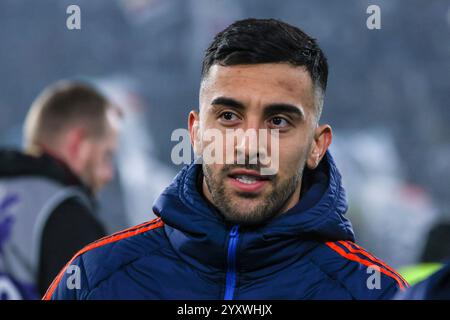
(71, 283)
(358, 272)
(70, 227)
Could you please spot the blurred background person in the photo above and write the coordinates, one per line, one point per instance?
(47, 192)
(436, 253)
(435, 287)
(432, 275)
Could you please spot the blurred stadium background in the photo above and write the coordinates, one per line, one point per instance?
(387, 100)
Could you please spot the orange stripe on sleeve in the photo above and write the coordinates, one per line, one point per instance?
(156, 223)
(371, 257)
(367, 263)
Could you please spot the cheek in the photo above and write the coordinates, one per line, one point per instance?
(106, 169)
(212, 145)
(214, 170)
(85, 155)
(292, 158)
(97, 165)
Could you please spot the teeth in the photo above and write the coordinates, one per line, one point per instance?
(246, 179)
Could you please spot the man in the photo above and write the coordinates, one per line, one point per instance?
(47, 206)
(225, 230)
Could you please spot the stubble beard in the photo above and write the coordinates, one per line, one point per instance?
(267, 208)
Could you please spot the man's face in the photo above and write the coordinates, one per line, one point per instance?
(99, 166)
(263, 96)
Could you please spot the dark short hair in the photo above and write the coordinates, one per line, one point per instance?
(255, 41)
(62, 105)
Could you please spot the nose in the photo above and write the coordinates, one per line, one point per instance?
(247, 148)
(248, 144)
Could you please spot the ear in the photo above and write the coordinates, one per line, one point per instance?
(323, 136)
(77, 148)
(194, 126)
(74, 139)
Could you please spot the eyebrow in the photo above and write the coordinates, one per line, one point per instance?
(269, 110)
(276, 108)
(229, 102)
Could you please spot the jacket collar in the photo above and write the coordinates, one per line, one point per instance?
(199, 233)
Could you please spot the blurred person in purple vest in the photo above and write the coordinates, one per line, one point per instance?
(47, 192)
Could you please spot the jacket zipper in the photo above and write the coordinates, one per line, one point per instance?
(231, 263)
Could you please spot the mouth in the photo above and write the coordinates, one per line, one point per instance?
(248, 180)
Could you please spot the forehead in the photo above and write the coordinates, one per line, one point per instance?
(259, 83)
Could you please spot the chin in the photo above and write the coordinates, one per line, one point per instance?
(245, 211)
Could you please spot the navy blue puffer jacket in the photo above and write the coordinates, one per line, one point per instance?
(189, 252)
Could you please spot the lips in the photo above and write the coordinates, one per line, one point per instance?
(248, 180)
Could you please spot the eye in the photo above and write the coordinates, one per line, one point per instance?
(228, 116)
(278, 122)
